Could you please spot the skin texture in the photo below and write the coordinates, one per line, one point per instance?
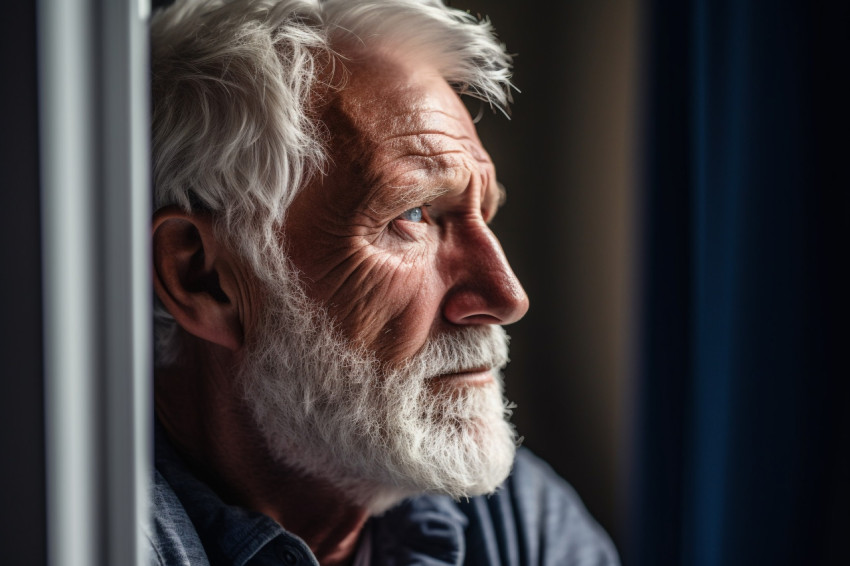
(388, 281)
(400, 139)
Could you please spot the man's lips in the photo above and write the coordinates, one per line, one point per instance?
(474, 376)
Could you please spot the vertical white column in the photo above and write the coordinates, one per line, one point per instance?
(95, 209)
(68, 158)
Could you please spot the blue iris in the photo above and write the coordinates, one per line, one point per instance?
(412, 215)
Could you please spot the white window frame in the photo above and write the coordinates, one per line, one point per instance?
(94, 166)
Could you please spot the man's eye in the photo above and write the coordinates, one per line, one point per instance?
(412, 215)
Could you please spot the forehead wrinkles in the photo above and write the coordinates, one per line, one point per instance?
(432, 142)
(424, 168)
(429, 151)
(406, 134)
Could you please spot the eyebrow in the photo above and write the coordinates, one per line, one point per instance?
(389, 199)
(492, 205)
(503, 195)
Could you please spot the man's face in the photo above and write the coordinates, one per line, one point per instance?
(377, 367)
(394, 241)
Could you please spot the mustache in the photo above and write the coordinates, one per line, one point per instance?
(474, 347)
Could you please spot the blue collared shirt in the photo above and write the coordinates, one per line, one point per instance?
(535, 518)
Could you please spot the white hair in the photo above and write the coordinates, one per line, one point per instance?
(234, 83)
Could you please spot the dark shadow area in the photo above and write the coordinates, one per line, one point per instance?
(22, 475)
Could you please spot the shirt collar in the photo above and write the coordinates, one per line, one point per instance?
(230, 534)
(426, 530)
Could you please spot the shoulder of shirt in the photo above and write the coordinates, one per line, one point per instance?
(543, 516)
(170, 535)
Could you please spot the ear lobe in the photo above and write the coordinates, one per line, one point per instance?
(191, 277)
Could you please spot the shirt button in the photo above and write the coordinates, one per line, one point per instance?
(289, 557)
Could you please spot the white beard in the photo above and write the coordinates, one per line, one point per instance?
(332, 411)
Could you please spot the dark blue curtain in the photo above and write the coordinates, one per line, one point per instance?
(741, 427)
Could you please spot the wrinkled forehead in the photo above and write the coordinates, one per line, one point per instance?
(386, 97)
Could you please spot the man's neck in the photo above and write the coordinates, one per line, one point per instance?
(201, 408)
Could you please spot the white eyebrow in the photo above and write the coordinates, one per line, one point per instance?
(414, 194)
(503, 194)
(424, 186)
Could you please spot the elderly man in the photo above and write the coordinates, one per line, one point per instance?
(331, 299)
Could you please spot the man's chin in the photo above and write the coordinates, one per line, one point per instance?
(462, 446)
(468, 451)
(482, 471)
(468, 457)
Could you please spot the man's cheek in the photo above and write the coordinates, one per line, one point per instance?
(403, 335)
(393, 316)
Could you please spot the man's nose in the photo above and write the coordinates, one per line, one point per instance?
(484, 288)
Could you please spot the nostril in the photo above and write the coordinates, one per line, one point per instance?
(488, 304)
(481, 319)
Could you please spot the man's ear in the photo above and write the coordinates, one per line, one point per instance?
(193, 278)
